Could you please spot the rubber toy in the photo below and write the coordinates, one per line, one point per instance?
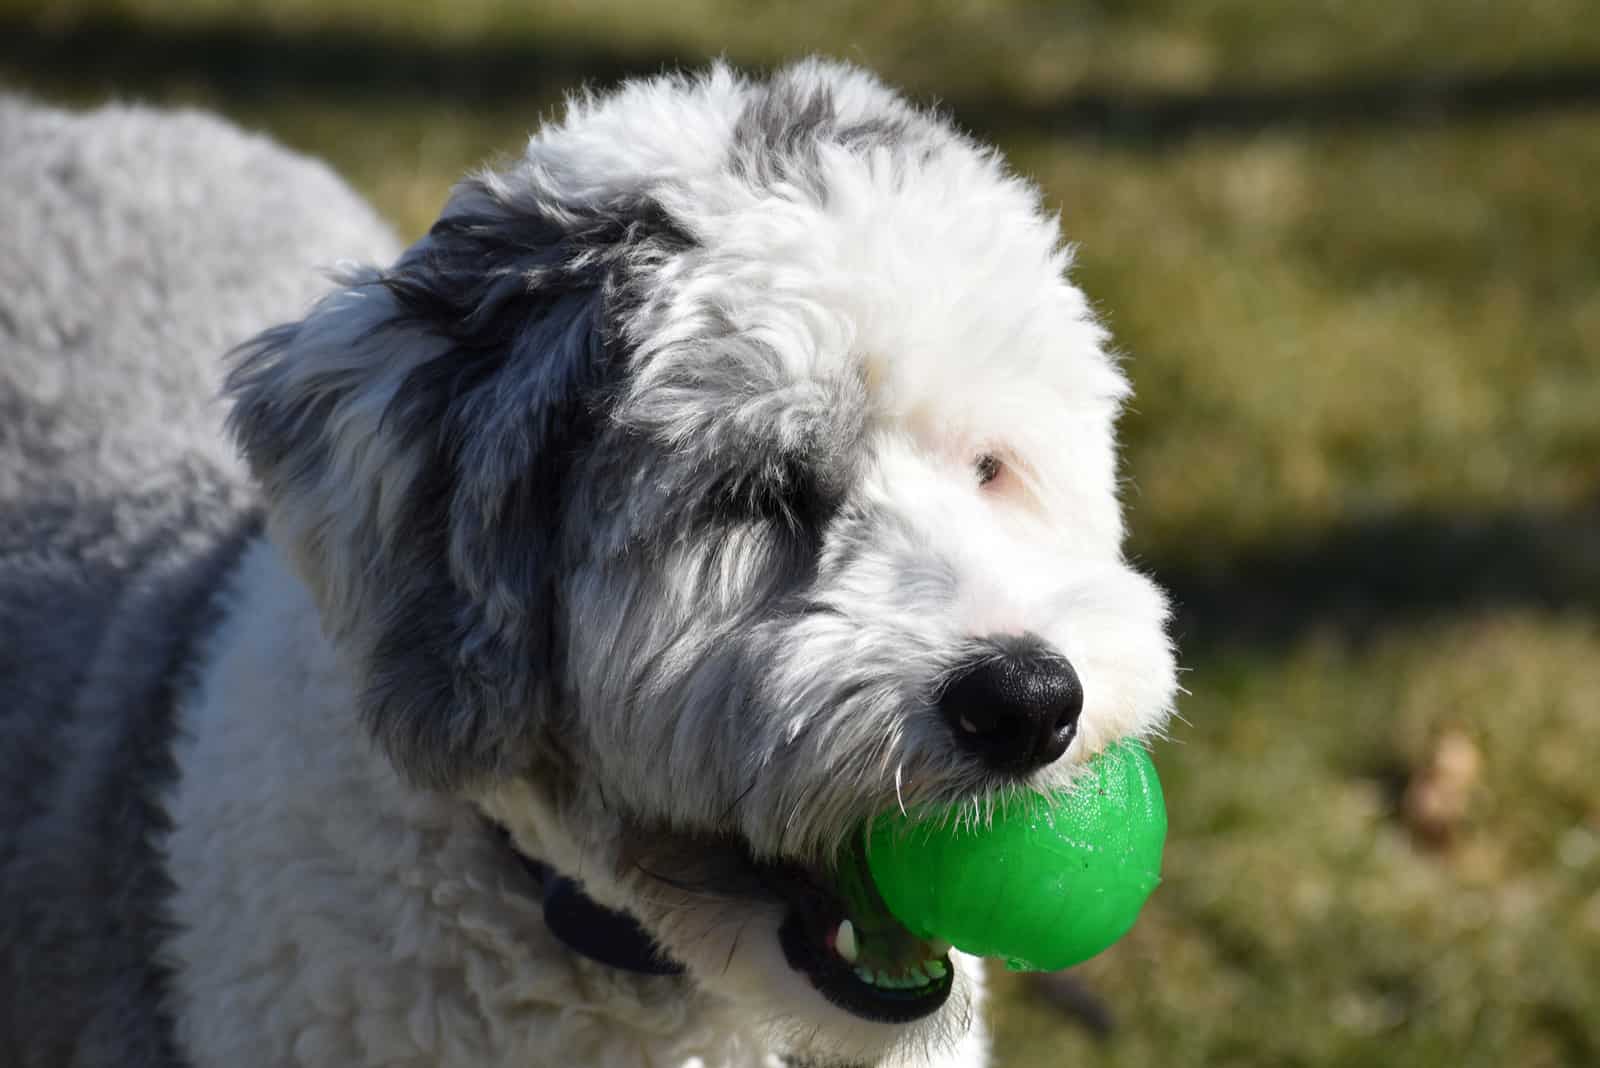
(1048, 883)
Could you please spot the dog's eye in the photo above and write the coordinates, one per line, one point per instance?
(787, 494)
(988, 468)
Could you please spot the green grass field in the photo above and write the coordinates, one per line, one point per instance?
(1352, 255)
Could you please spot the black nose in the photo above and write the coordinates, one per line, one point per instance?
(1015, 707)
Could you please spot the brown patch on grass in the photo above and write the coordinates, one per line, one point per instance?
(1440, 792)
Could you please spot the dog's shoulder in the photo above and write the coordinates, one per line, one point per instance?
(136, 247)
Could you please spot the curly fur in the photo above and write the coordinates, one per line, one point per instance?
(135, 246)
(636, 507)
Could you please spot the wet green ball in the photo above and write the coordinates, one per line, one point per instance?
(1050, 882)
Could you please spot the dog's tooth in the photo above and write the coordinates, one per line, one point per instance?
(934, 968)
(865, 975)
(914, 976)
(844, 942)
(884, 980)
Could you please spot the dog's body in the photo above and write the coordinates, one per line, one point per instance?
(647, 514)
(135, 247)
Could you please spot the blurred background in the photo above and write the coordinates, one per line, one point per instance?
(1351, 250)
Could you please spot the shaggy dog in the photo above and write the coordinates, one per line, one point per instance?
(732, 466)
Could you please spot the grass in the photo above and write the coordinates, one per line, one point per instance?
(1352, 254)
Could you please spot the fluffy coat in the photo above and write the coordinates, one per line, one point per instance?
(645, 508)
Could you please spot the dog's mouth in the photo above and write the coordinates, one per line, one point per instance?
(840, 935)
(836, 930)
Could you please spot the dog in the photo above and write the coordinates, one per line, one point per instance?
(497, 674)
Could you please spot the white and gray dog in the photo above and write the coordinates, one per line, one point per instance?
(735, 464)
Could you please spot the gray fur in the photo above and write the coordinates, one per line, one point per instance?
(134, 248)
(518, 310)
(780, 132)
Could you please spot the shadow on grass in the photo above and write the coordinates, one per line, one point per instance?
(1156, 118)
(1354, 579)
(245, 63)
(242, 63)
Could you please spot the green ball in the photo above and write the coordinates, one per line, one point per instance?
(1050, 882)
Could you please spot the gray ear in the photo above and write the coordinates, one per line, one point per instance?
(414, 434)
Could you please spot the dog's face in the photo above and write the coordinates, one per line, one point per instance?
(736, 466)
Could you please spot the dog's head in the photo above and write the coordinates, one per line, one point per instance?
(735, 465)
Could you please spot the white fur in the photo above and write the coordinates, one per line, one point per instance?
(331, 915)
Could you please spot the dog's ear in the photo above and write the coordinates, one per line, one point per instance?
(413, 435)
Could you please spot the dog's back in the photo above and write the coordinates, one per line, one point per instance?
(135, 248)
